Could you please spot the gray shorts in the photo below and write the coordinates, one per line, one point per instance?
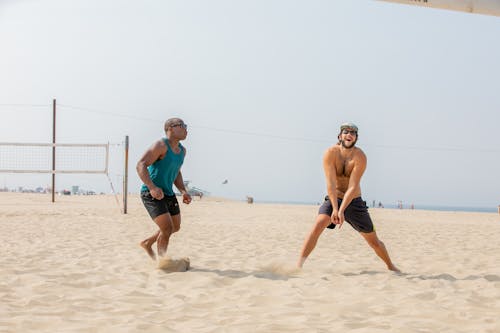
(356, 214)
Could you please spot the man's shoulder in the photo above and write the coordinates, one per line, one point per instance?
(360, 153)
(160, 144)
(331, 152)
(359, 150)
(333, 149)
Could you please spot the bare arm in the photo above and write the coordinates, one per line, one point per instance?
(179, 183)
(156, 151)
(331, 180)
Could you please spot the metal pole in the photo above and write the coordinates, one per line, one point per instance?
(125, 178)
(53, 150)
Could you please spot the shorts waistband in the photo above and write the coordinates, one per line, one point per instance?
(339, 199)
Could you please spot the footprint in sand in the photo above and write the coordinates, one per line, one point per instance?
(173, 265)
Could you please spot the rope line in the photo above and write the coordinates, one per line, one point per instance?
(263, 135)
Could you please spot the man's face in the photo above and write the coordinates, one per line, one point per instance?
(179, 130)
(348, 137)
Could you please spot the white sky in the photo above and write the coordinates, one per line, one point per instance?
(263, 86)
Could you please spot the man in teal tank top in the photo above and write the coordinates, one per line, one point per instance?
(159, 169)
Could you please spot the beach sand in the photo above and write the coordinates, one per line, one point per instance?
(76, 266)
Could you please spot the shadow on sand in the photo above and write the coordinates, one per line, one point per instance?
(449, 277)
(444, 276)
(236, 274)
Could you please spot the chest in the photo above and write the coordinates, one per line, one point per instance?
(344, 166)
(170, 160)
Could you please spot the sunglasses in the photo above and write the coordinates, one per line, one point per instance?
(350, 132)
(180, 125)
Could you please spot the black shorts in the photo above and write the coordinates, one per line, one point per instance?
(156, 207)
(356, 214)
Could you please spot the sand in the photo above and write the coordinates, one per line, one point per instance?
(76, 266)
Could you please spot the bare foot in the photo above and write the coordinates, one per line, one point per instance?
(144, 244)
(394, 269)
(301, 261)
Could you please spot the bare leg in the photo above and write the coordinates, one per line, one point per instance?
(148, 243)
(164, 222)
(322, 221)
(168, 225)
(379, 248)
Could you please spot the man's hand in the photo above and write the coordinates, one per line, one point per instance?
(335, 217)
(156, 193)
(186, 198)
(341, 219)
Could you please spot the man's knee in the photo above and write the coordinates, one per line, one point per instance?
(322, 221)
(375, 243)
(167, 229)
(176, 223)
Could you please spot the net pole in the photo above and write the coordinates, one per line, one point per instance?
(53, 150)
(125, 177)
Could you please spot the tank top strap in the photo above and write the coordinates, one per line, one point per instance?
(168, 144)
(183, 150)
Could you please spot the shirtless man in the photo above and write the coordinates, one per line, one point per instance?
(344, 164)
(159, 169)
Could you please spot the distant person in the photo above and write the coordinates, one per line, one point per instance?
(344, 164)
(159, 169)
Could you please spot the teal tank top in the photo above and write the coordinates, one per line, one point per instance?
(163, 172)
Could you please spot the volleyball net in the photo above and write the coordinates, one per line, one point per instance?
(69, 158)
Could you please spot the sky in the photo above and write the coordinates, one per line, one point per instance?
(263, 86)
